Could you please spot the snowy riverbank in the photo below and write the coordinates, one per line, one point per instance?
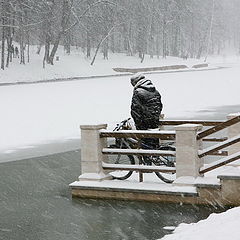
(77, 65)
(221, 226)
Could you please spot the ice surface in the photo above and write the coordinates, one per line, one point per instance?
(36, 114)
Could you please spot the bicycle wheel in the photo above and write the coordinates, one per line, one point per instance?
(168, 161)
(166, 177)
(121, 159)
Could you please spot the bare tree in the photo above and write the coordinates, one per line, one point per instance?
(3, 19)
(183, 28)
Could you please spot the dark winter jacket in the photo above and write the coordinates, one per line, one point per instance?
(146, 105)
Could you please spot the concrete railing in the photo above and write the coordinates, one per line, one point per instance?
(188, 145)
(91, 153)
(187, 161)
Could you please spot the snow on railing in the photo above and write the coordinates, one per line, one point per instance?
(162, 134)
(187, 136)
(180, 122)
(139, 168)
(142, 152)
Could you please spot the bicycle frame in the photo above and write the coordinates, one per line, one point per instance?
(132, 143)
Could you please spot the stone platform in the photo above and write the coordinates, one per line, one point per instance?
(220, 188)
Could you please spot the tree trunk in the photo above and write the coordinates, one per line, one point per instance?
(142, 59)
(55, 48)
(9, 50)
(105, 50)
(210, 31)
(66, 11)
(67, 43)
(152, 31)
(47, 50)
(112, 44)
(88, 45)
(164, 29)
(22, 51)
(39, 47)
(8, 33)
(130, 48)
(192, 46)
(28, 48)
(22, 47)
(158, 46)
(100, 43)
(199, 54)
(3, 34)
(3, 46)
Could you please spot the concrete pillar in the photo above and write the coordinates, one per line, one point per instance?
(187, 161)
(230, 188)
(91, 153)
(232, 132)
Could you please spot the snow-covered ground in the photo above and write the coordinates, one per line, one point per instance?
(76, 65)
(220, 226)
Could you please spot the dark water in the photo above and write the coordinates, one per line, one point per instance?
(35, 203)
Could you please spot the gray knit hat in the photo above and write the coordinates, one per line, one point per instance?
(136, 77)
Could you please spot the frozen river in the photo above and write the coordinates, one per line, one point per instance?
(217, 113)
(35, 199)
(36, 204)
(37, 114)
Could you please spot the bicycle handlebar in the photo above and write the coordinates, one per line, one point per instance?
(121, 124)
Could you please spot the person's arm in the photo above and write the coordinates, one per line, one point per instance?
(160, 103)
(136, 107)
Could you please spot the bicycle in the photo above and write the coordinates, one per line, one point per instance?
(132, 143)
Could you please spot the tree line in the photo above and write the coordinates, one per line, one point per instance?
(161, 28)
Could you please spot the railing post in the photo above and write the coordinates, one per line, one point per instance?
(91, 153)
(233, 131)
(187, 161)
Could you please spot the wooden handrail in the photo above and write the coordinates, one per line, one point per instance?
(219, 153)
(163, 135)
(179, 122)
(214, 139)
(218, 127)
(220, 163)
(142, 152)
(209, 150)
(139, 168)
(145, 152)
